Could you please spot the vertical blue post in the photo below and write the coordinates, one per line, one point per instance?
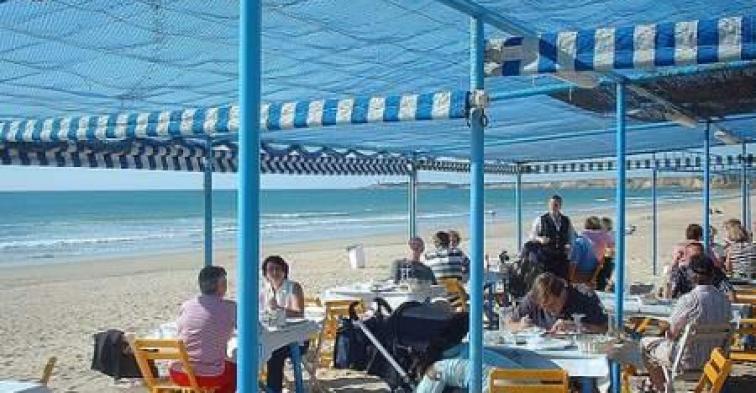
(744, 189)
(476, 209)
(412, 201)
(619, 274)
(518, 207)
(655, 218)
(707, 187)
(249, 194)
(207, 186)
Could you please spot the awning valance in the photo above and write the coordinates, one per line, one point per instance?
(640, 47)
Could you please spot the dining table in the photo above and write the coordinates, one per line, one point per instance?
(642, 306)
(394, 294)
(10, 386)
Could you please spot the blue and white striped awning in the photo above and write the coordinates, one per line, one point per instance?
(222, 120)
(672, 162)
(640, 47)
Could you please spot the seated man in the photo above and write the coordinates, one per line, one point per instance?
(412, 266)
(205, 325)
(552, 303)
(446, 263)
(680, 276)
(702, 305)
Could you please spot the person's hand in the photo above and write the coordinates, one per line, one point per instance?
(273, 305)
(562, 326)
(525, 322)
(543, 239)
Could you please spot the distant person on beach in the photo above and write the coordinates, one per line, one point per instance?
(555, 232)
(205, 325)
(412, 267)
(740, 254)
(454, 240)
(445, 262)
(280, 293)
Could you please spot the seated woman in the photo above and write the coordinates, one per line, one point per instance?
(280, 293)
(552, 303)
(680, 277)
(703, 305)
(205, 325)
(740, 257)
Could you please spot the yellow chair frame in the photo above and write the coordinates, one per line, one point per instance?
(528, 381)
(715, 373)
(164, 349)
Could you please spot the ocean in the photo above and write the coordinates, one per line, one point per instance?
(56, 227)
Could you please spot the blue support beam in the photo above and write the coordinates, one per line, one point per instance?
(655, 219)
(707, 188)
(619, 275)
(477, 227)
(518, 207)
(412, 201)
(207, 188)
(744, 187)
(248, 263)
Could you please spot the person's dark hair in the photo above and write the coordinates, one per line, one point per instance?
(701, 270)
(693, 232)
(557, 198)
(547, 285)
(275, 259)
(441, 239)
(209, 277)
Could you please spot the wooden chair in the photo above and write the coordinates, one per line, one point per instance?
(456, 293)
(47, 372)
(643, 326)
(715, 373)
(738, 353)
(528, 381)
(720, 333)
(164, 350)
(335, 310)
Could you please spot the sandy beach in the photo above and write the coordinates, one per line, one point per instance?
(53, 310)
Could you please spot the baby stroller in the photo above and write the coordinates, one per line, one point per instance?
(396, 345)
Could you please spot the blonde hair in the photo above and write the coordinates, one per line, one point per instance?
(593, 223)
(735, 231)
(546, 286)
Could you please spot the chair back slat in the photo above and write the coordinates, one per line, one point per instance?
(527, 381)
(47, 372)
(715, 373)
(167, 350)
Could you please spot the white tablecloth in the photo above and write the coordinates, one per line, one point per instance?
(634, 305)
(22, 387)
(393, 295)
(269, 340)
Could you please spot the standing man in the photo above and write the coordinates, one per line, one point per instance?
(555, 232)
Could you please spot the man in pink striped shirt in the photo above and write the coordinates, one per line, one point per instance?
(205, 325)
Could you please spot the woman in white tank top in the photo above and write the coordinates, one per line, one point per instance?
(279, 292)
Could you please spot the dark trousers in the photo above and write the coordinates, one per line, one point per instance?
(558, 263)
(276, 367)
(605, 274)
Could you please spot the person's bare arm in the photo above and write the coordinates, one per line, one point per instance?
(296, 308)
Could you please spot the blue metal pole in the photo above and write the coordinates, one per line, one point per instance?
(476, 209)
(655, 219)
(412, 201)
(518, 207)
(743, 188)
(207, 186)
(619, 275)
(249, 194)
(707, 187)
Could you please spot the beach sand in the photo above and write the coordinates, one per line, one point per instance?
(53, 310)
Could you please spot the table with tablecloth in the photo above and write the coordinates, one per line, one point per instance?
(635, 305)
(393, 294)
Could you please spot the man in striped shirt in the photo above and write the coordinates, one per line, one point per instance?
(446, 262)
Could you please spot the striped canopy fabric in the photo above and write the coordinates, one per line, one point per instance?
(684, 162)
(640, 47)
(214, 121)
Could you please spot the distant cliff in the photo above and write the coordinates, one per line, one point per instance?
(685, 183)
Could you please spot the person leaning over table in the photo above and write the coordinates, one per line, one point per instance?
(284, 294)
(414, 267)
(205, 324)
(705, 304)
(551, 303)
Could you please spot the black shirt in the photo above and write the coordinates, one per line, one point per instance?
(415, 269)
(580, 300)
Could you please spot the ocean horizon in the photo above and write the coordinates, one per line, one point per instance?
(41, 227)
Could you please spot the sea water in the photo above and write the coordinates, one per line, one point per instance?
(53, 227)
